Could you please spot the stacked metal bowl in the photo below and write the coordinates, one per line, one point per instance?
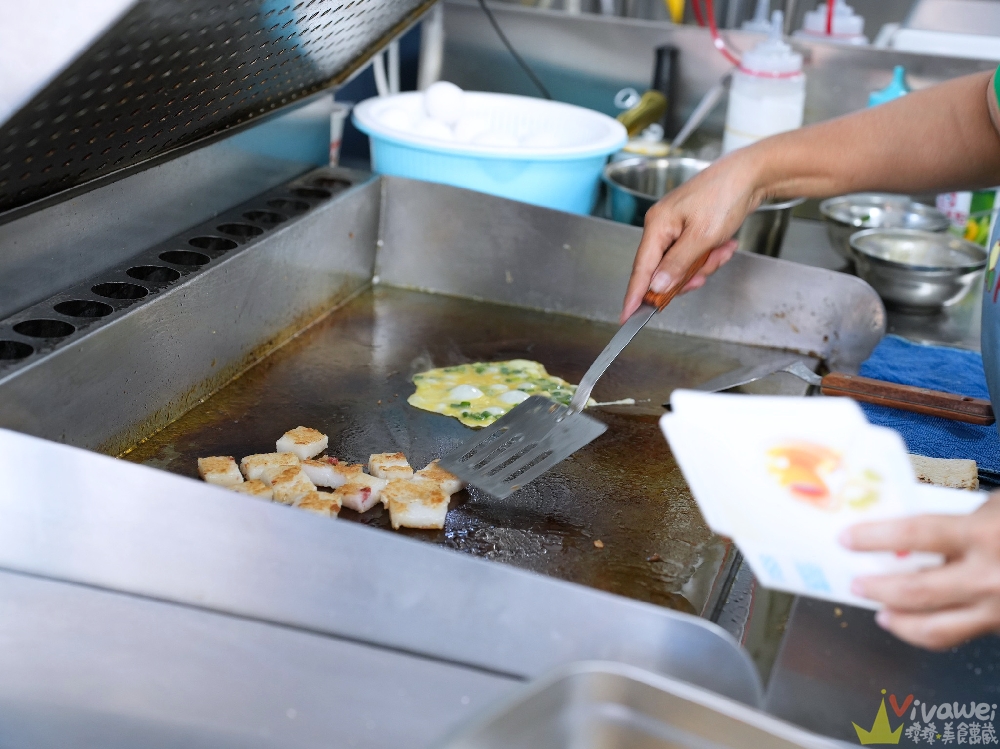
(903, 249)
(847, 214)
(918, 271)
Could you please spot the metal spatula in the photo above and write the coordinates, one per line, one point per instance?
(881, 393)
(534, 436)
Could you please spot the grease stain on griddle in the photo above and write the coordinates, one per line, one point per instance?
(625, 488)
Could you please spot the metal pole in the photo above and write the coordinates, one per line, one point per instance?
(431, 47)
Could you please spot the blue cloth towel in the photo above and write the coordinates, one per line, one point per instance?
(938, 368)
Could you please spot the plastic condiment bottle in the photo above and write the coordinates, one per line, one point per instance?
(847, 27)
(768, 93)
(759, 23)
(894, 90)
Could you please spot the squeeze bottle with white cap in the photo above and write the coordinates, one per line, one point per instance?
(768, 93)
(847, 27)
(759, 23)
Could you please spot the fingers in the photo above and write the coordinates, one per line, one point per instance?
(633, 299)
(720, 256)
(657, 237)
(675, 263)
(941, 629)
(695, 283)
(944, 534)
(929, 590)
(716, 259)
(697, 217)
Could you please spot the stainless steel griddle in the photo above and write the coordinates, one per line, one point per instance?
(197, 286)
(349, 376)
(287, 325)
(347, 371)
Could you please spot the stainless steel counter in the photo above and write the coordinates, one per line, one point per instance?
(837, 666)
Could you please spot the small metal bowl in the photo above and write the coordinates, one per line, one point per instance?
(917, 271)
(847, 214)
(635, 184)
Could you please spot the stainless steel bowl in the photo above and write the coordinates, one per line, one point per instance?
(635, 184)
(915, 270)
(763, 231)
(847, 214)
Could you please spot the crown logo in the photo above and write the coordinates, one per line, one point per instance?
(881, 732)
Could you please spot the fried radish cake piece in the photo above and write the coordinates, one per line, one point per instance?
(254, 488)
(321, 503)
(303, 442)
(330, 472)
(415, 504)
(389, 466)
(449, 482)
(288, 484)
(362, 492)
(220, 470)
(253, 466)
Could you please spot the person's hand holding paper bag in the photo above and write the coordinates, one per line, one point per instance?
(786, 477)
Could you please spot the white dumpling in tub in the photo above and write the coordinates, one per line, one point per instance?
(541, 139)
(470, 127)
(443, 101)
(429, 128)
(396, 118)
(496, 138)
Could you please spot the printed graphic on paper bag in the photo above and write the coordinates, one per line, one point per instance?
(810, 574)
(812, 577)
(946, 723)
(816, 475)
(771, 566)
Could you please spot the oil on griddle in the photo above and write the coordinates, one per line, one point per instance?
(349, 376)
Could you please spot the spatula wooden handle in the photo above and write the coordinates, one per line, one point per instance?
(662, 299)
(909, 398)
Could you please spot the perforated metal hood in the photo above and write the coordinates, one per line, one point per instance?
(170, 73)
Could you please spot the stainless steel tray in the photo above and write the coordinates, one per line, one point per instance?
(609, 705)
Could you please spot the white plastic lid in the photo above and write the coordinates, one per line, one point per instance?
(772, 56)
(845, 21)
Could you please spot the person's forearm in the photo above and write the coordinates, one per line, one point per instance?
(938, 139)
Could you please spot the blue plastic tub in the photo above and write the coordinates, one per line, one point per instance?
(564, 174)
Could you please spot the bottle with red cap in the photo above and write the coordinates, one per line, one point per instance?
(768, 93)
